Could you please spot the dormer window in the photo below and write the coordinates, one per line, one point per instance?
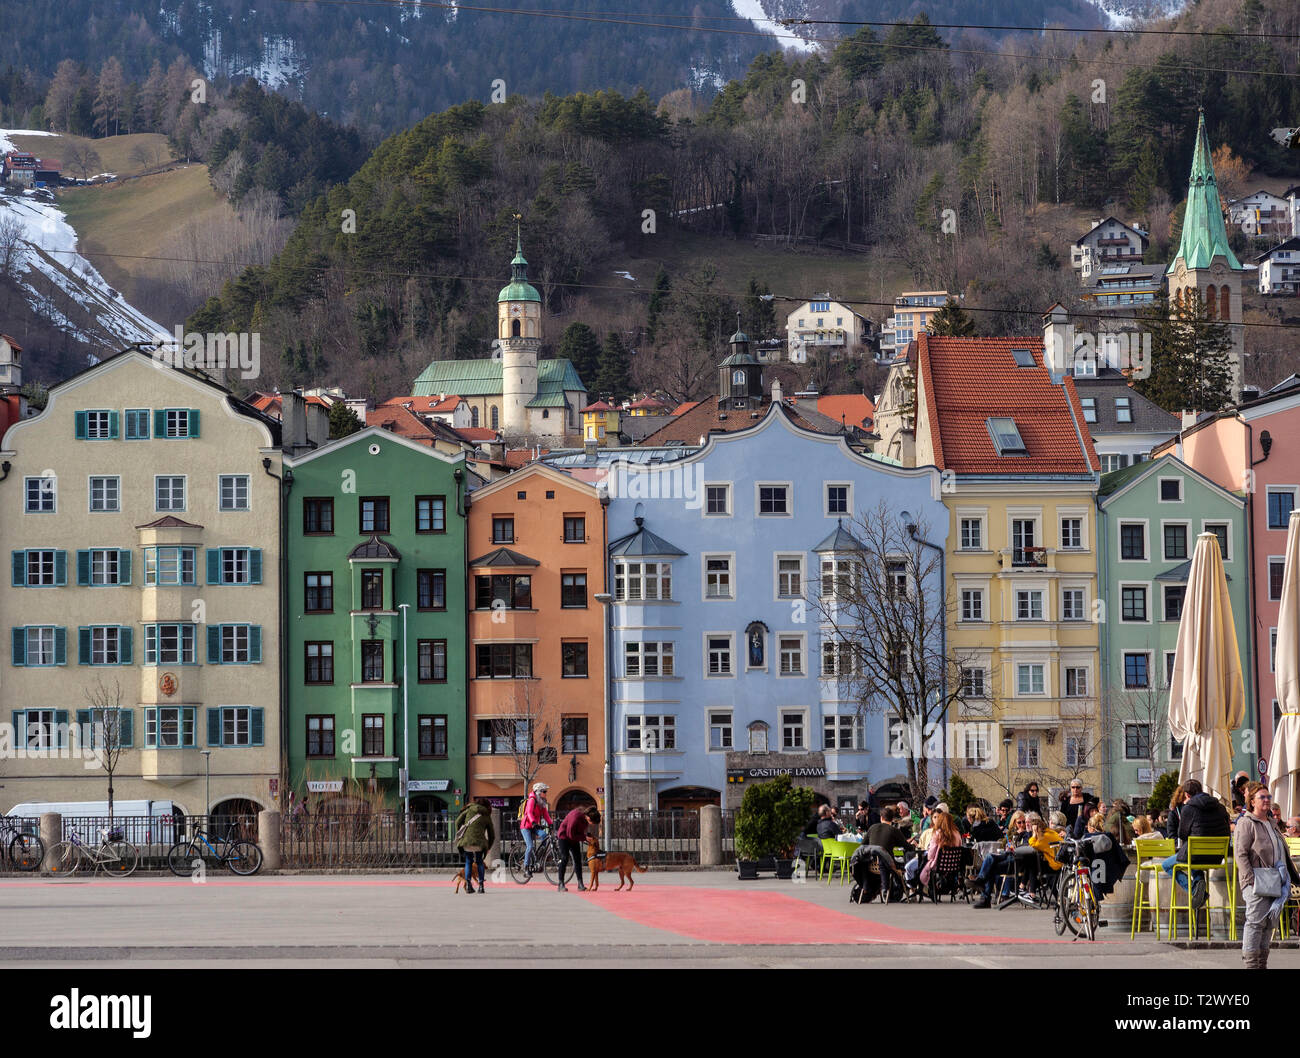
(1006, 438)
(1123, 409)
(1089, 408)
(1024, 357)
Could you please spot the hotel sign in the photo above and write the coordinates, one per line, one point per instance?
(745, 774)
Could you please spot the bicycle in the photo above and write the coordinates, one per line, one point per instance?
(545, 851)
(114, 854)
(241, 856)
(1077, 908)
(25, 851)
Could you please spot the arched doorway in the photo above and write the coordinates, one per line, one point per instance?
(688, 798)
(571, 799)
(239, 812)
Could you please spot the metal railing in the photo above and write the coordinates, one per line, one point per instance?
(367, 840)
(657, 838)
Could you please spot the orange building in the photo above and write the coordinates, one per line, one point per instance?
(536, 542)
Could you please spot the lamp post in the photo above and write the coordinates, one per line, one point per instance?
(1006, 752)
(651, 741)
(606, 599)
(909, 523)
(207, 783)
(406, 725)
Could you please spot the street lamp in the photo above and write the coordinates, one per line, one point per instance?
(406, 725)
(207, 782)
(606, 600)
(651, 742)
(1006, 752)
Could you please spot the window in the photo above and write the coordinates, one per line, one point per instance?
(169, 644)
(176, 422)
(40, 568)
(503, 530)
(137, 424)
(837, 578)
(1006, 438)
(896, 579)
(773, 499)
(573, 734)
(169, 727)
(1276, 570)
(1072, 604)
(977, 747)
(1272, 650)
(837, 499)
(234, 565)
(41, 494)
(169, 492)
(719, 652)
(1029, 605)
(1027, 752)
(233, 490)
(431, 589)
(791, 730)
(234, 644)
(503, 591)
(1089, 408)
(318, 516)
(503, 661)
(575, 529)
(1171, 490)
(1132, 541)
(1110, 462)
(103, 728)
(1175, 748)
(1170, 656)
(1023, 534)
(96, 425)
(432, 735)
(1175, 543)
(972, 534)
(1137, 741)
(40, 645)
(719, 731)
(972, 604)
(1076, 750)
(1174, 595)
(372, 661)
(791, 653)
(374, 514)
(842, 732)
(1281, 503)
(320, 736)
(1123, 409)
(169, 565)
(973, 683)
(432, 660)
(1029, 679)
(504, 735)
(789, 576)
(647, 659)
(1220, 530)
(372, 735)
(652, 732)
(1133, 604)
(1137, 674)
(1076, 682)
(1072, 533)
(319, 592)
(717, 500)
(239, 725)
(372, 589)
(573, 658)
(717, 577)
(430, 514)
(320, 663)
(838, 659)
(104, 645)
(105, 494)
(637, 581)
(573, 590)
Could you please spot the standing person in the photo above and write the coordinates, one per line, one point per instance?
(572, 835)
(1072, 800)
(536, 813)
(474, 836)
(1267, 873)
(1029, 801)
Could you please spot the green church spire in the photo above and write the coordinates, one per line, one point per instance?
(519, 289)
(1204, 236)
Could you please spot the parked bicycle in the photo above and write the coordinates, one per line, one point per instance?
(25, 851)
(546, 853)
(114, 854)
(242, 857)
(1077, 908)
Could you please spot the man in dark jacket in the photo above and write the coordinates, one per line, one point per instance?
(886, 834)
(1201, 816)
(572, 834)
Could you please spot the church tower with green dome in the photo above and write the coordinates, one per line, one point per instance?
(1204, 260)
(519, 332)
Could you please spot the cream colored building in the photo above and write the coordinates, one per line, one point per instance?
(142, 512)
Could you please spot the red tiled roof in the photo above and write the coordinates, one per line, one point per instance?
(520, 457)
(14, 345)
(401, 422)
(271, 404)
(426, 405)
(967, 381)
(647, 402)
(684, 407)
(477, 433)
(854, 408)
(706, 415)
(600, 405)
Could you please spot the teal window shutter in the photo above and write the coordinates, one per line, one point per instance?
(112, 425)
(194, 422)
(126, 727)
(255, 565)
(81, 425)
(83, 568)
(124, 645)
(255, 644)
(83, 646)
(214, 727)
(124, 566)
(214, 644)
(20, 646)
(83, 723)
(255, 727)
(20, 728)
(60, 567)
(60, 727)
(20, 569)
(214, 565)
(60, 646)
(160, 423)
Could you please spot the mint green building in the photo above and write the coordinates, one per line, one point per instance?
(1150, 516)
(375, 531)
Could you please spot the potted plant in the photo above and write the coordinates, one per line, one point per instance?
(768, 824)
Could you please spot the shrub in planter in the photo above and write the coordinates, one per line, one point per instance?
(770, 818)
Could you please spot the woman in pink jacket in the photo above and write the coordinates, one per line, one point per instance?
(536, 817)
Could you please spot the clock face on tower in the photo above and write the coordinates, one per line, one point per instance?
(516, 311)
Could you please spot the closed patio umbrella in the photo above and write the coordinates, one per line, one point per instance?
(1207, 697)
(1284, 757)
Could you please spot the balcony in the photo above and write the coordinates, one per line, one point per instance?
(374, 768)
(1029, 557)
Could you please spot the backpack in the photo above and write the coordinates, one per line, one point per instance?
(523, 807)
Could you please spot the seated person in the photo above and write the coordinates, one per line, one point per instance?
(828, 827)
(1001, 863)
(981, 827)
(943, 833)
(1043, 839)
(886, 833)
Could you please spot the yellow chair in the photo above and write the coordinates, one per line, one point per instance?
(1290, 907)
(834, 852)
(1209, 854)
(1150, 854)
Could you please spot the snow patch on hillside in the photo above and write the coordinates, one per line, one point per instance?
(278, 64)
(754, 11)
(7, 145)
(1124, 14)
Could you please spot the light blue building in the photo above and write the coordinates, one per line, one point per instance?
(716, 657)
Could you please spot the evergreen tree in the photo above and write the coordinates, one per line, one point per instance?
(859, 55)
(658, 298)
(580, 346)
(951, 321)
(1191, 365)
(343, 421)
(758, 312)
(612, 380)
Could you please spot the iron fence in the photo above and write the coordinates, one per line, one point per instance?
(657, 838)
(10, 828)
(368, 840)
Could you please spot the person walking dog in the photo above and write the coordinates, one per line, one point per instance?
(1267, 873)
(572, 835)
(474, 836)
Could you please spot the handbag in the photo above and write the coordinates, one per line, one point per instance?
(1268, 882)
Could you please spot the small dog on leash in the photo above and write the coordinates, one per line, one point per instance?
(623, 862)
(459, 879)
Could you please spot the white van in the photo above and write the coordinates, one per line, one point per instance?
(144, 822)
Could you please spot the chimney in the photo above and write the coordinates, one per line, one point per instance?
(1058, 342)
(776, 391)
(318, 424)
(293, 421)
(589, 448)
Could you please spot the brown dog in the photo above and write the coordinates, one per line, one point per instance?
(460, 879)
(623, 862)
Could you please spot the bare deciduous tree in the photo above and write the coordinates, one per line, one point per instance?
(530, 733)
(82, 158)
(107, 733)
(11, 244)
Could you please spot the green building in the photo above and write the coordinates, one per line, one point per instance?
(1150, 516)
(376, 531)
